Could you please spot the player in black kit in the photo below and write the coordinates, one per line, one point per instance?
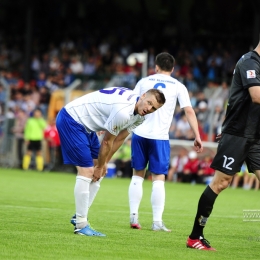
(239, 141)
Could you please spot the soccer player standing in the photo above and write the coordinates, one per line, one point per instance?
(150, 141)
(117, 111)
(239, 141)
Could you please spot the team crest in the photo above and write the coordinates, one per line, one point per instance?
(250, 74)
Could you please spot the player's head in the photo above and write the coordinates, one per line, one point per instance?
(37, 113)
(165, 62)
(149, 102)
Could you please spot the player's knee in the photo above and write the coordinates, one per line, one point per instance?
(221, 185)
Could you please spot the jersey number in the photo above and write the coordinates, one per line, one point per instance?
(157, 85)
(112, 91)
(227, 162)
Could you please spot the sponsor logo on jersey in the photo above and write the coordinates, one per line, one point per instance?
(250, 74)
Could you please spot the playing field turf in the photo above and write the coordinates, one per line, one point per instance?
(35, 211)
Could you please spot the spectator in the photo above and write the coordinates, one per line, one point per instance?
(122, 160)
(202, 114)
(191, 168)
(44, 101)
(253, 182)
(2, 97)
(90, 66)
(183, 129)
(41, 80)
(190, 83)
(205, 172)
(69, 77)
(18, 131)
(33, 136)
(76, 65)
(242, 176)
(28, 105)
(176, 170)
(54, 64)
(51, 135)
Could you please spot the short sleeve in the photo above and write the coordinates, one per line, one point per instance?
(250, 73)
(139, 121)
(116, 122)
(183, 97)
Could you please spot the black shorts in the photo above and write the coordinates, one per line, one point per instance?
(233, 151)
(35, 146)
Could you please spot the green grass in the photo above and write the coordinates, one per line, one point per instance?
(35, 210)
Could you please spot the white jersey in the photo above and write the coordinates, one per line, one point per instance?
(157, 124)
(110, 109)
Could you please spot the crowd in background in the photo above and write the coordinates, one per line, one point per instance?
(204, 70)
(201, 69)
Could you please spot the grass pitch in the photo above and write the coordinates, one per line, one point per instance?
(35, 212)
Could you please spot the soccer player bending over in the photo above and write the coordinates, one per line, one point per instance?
(117, 111)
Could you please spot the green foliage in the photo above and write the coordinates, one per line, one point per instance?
(36, 208)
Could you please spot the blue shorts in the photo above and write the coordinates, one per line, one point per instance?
(154, 152)
(78, 147)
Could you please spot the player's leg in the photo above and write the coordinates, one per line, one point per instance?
(94, 186)
(81, 193)
(135, 194)
(39, 158)
(159, 158)
(27, 157)
(135, 190)
(76, 151)
(205, 206)
(236, 149)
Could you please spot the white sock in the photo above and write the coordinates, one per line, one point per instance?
(93, 190)
(135, 194)
(158, 200)
(81, 194)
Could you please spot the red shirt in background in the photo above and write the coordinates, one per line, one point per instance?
(192, 166)
(52, 136)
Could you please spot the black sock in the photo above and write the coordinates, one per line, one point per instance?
(205, 207)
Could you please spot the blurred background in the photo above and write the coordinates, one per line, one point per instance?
(54, 51)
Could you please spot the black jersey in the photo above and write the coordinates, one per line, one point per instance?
(243, 116)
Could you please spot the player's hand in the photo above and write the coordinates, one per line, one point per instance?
(218, 137)
(198, 145)
(98, 172)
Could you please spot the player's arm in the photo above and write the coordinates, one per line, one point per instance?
(105, 148)
(117, 143)
(192, 119)
(254, 92)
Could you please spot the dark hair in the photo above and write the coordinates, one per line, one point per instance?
(165, 61)
(160, 98)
